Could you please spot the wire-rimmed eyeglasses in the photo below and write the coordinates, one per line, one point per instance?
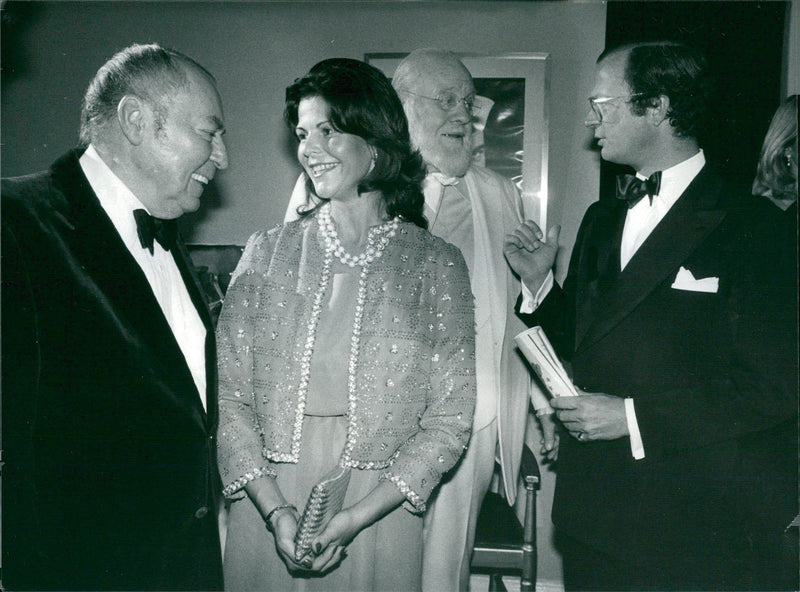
(597, 103)
(449, 100)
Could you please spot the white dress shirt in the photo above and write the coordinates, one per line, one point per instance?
(160, 269)
(640, 221)
(643, 217)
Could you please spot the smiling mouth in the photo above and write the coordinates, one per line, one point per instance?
(317, 170)
(200, 178)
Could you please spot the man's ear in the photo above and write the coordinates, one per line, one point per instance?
(131, 115)
(658, 109)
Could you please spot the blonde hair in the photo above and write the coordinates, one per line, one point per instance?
(774, 176)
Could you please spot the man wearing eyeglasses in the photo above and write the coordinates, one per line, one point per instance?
(472, 208)
(679, 471)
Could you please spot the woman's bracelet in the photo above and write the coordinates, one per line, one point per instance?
(268, 519)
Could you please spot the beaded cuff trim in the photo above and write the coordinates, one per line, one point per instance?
(246, 478)
(411, 496)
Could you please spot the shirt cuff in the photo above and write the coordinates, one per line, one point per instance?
(531, 302)
(637, 446)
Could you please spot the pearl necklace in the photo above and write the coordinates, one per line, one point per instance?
(377, 239)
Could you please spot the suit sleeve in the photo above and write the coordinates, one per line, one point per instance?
(556, 312)
(20, 380)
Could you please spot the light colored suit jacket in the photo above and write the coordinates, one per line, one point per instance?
(497, 210)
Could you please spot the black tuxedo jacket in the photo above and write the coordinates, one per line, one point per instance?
(713, 376)
(110, 479)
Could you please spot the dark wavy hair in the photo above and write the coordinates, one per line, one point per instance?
(675, 70)
(363, 103)
(151, 72)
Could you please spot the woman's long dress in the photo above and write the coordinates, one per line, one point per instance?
(386, 556)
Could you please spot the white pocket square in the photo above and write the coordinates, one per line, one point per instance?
(686, 281)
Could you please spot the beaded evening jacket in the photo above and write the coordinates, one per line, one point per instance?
(412, 362)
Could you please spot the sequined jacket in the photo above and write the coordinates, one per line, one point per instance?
(413, 362)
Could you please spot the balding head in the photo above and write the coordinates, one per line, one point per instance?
(155, 117)
(421, 65)
(442, 135)
(151, 72)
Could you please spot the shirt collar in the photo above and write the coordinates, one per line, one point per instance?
(676, 179)
(115, 197)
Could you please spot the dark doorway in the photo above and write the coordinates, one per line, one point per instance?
(743, 41)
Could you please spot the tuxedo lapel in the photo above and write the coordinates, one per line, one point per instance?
(120, 285)
(192, 282)
(101, 252)
(693, 217)
(599, 264)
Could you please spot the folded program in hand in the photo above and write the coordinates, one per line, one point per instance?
(324, 502)
(533, 343)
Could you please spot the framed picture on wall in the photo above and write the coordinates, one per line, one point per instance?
(511, 118)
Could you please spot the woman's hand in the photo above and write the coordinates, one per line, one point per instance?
(328, 560)
(329, 548)
(284, 529)
(341, 530)
(321, 559)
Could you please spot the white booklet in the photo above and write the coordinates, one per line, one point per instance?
(542, 357)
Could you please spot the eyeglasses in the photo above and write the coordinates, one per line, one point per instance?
(598, 103)
(448, 100)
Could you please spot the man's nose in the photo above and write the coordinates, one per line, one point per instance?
(219, 153)
(592, 119)
(461, 113)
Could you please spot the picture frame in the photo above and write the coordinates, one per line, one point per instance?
(513, 122)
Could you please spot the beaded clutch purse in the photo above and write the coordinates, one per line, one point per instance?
(324, 502)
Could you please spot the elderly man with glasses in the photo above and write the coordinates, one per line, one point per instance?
(472, 208)
(682, 345)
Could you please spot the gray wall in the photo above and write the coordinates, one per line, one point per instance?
(255, 50)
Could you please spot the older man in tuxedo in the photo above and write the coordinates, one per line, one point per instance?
(688, 408)
(109, 369)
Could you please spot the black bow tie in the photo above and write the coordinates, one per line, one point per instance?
(149, 228)
(632, 189)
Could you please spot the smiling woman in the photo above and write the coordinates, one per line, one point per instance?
(335, 161)
(346, 346)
